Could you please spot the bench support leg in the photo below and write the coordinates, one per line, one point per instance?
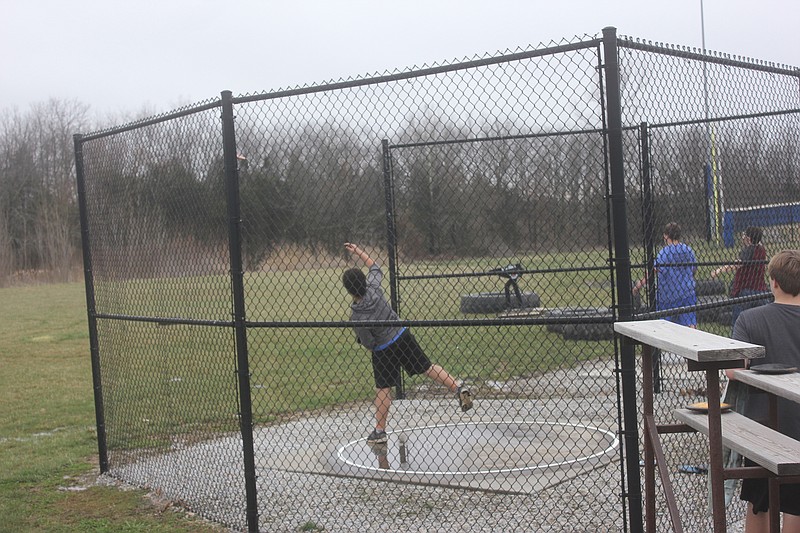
(774, 486)
(774, 505)
(651, 435)
(647, 407)
(715, 452)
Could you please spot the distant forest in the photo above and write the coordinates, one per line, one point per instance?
(163, 188)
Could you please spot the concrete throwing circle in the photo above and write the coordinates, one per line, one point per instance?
(481, 448)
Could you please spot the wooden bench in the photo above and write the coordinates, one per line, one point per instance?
(778, 385)
(692, 344)
(704, 352)
(773, 450)
(784, 385)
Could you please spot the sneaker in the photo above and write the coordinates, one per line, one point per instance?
(378, 436)
(464, 398)
(380, 449)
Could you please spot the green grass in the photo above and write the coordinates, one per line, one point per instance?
(47, 429)
(182, 378)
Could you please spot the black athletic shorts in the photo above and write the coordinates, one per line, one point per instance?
(756, 491)
(403, 353)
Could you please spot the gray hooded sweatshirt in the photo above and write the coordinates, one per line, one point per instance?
(373, 306)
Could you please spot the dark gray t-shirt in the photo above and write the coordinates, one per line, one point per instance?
(373, 306)
(777, 328)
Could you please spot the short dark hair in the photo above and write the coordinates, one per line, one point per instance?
(784, 268)
(355, 282)
(754, 233)
(673, 231)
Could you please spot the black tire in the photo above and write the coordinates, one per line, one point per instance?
(588, 332)
(495, 302)
(555, 328)
(714, 314)
(579, 312)
(709, 287)
(581, 331)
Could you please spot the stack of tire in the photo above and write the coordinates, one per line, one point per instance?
(713, 291)
(586, 331)
(496, 302)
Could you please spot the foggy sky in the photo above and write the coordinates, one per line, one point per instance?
(128, 57)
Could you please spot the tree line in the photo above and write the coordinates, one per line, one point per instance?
(39, 227)
(160, 189)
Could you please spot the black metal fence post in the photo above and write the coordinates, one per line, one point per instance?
(391, 240)
(648, 231)
(237, 286)
(648, 224)
(94, 349)
(391, 235)
(623, 273)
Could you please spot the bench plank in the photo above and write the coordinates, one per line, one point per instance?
(784, 385)
(771, 449)
(690, 343)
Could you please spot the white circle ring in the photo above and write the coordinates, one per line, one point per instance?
(614, 442)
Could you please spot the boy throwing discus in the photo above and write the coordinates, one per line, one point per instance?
(392, 347)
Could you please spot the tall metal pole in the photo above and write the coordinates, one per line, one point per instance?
(237, 287)
(703, 41)
(714, 200)
(623, 274)
(391, 233)
(91, 310)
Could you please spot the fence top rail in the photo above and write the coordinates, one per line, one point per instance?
(586, 43)
(149, 121)
(693, 344)
(419, 73)
(708, 56)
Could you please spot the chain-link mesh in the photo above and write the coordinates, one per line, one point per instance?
(157, 228)
(713, 142)
(453, 168)
(482, 193)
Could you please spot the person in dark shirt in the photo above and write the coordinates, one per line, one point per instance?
(749, 278)
(774, 326)
(392, 347)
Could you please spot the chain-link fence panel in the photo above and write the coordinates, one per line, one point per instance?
(713, 140)
(479, 190)
(155, 225)
(388, 302)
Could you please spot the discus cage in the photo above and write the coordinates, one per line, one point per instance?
(511, 200)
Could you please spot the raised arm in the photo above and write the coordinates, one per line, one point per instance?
(639, 284)
(724, 268)
(358, 252)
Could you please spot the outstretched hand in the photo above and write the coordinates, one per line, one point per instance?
(361, 254)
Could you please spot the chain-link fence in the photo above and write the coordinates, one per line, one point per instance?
(511, 203)
(714, 151)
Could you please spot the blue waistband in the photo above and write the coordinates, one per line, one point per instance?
(386, 345)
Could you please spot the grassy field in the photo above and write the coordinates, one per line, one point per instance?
(47, 425)
(181, 378)
(48, 449)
